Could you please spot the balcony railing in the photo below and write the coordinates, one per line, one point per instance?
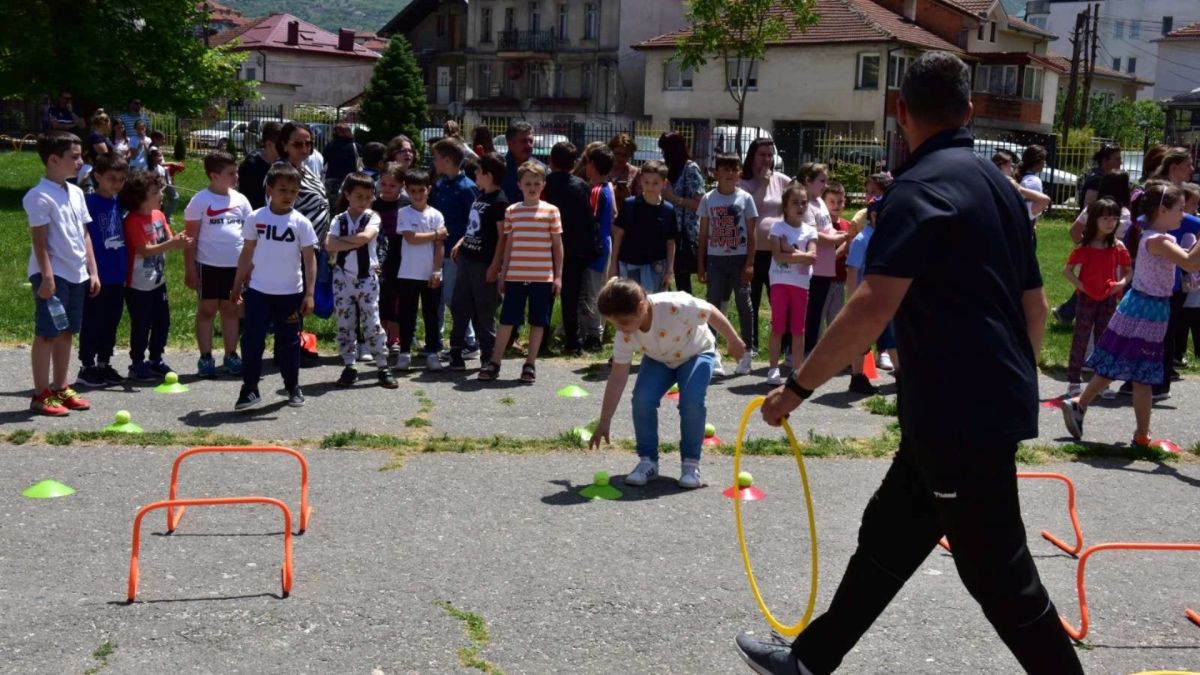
(527, 41)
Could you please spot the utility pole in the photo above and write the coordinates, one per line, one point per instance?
(1091, 64)
(1069, 108)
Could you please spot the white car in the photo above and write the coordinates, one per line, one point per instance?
(725, 140)
(1058, 184)
(219, 135)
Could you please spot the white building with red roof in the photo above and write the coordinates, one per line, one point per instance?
(296, 62)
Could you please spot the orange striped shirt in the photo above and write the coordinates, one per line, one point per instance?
(531, 229)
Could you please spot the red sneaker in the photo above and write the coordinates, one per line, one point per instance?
(46, 403)
(72, 400)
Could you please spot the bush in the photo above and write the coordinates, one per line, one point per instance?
(852, 176)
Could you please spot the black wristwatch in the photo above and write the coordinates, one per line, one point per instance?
(794, 387)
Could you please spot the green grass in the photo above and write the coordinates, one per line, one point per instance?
(101, 655)
(881, 405)
(477, 633)
(20, 436)
(149, 439)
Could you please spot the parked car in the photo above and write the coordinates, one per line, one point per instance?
(219, 135)
(251, 140)
(1060, 185)
(725, 140)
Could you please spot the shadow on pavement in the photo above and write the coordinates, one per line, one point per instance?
(123, 603)
(656, 489)
(216, 418)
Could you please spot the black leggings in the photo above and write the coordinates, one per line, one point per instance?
(761, 281)
(818, 293)
(408, 293)
(968, 494)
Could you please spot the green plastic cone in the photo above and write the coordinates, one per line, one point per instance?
(600, 489)
(583, 433)
(123, 425)
(572, 391)
(48, 489)
(170, 385)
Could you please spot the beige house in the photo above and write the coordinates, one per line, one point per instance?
(561, 61)
(842, 75)
(1112, 85)
(296, 62)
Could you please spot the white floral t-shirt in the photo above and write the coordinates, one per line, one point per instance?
(678, 331)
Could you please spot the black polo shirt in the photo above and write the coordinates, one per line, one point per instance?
(955, 225)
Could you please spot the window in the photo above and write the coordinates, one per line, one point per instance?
(1135, 29)
(441, 25)
(460, 83)
(742, 72)
(992, 38)
(588, 81)
(485, 24)
(1119, 28)
(535, 17)
(562, 22)
(897, 66)
(1117, 65)
(251, 73)
(982, 26)
(1039, 21)
(1168, 24)
(535, 83)
(981, 78)
(560, 82)
(676, 77)
(485, 80)
(510, 19)
(1034, 78)
(867, 76)
(591, 21)
(999, 80)
(1131, 68)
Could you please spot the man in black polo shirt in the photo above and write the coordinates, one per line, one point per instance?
(953, 261)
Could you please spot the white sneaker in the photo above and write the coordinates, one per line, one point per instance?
(743, 366)
(403, 361)
(885, 362)
(433, 362)
(689, 477)
(1074, 390)
(643, 473)
(718, 370)
(773, 377)
(1108, 394)
(364, 353)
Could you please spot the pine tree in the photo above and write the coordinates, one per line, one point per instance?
(394, 100)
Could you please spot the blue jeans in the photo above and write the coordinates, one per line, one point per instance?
(449, 279)
(648, 276)
(654, 378)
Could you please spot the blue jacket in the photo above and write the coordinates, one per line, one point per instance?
(453, 197)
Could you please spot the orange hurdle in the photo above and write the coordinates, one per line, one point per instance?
(175, 514)
(1072, 551)
(285, 573)
(1079, 579)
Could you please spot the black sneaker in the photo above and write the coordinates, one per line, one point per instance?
(769, 657)
(159, 367)
(387, 380)
(592, 345)
(457, 362)
(110, 374)
(248, 399)
(1160, 392)
(861, 384)
(90, 376)
(1073, 418)
(1126, 389)
(295, 398)
(349, 376)
(471, 350)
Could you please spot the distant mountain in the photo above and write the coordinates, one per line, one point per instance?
(368, 15)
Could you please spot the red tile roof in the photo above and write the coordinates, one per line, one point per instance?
(271, 33)
(1026, 27)
(1188, 32)
(371, 41)
(223, 14)
(1063, 65)
(840, 21)
(976, 7)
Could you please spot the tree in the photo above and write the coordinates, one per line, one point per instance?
(738, 32)
(110, 52)
(394, 100)
(1130, 123)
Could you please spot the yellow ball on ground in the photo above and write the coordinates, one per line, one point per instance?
(123, 417)
(171, 378)
(600, 478)
(745, 479)
(709, 431)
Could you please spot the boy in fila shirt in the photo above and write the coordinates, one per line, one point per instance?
(352, 243)
(214, 218)
(277, 240)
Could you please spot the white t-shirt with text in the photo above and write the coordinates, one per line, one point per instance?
(281, 239)
(678, 331)
(795, 239)
(62, 210)
(222, 217)
(416, 260)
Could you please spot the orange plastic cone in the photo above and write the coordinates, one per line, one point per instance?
(869, 366)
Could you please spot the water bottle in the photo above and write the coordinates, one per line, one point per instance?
(58, 313)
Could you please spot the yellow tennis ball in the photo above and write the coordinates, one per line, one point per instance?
(600, 478)
(171, 378)
(709, 431)
(123, 417)
(745, 480)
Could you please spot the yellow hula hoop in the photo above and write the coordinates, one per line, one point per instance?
(784, 630)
